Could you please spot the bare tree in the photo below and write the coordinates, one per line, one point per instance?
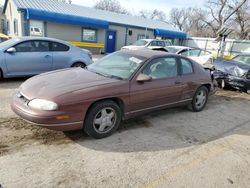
(242, 21)
(179, 18)
(111, 5)
(153, 14)
(221, 11)
(190, 20)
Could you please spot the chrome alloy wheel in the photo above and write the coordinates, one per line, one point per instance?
(104, 120)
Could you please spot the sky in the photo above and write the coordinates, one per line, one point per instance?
(134, 6)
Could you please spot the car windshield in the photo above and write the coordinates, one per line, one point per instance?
(172, 49)
(243, 59)
(7, 43)
(140, 43)
(117, 65)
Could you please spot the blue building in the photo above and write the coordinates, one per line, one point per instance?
(83, 26)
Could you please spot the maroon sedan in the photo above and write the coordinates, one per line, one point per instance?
(119, 86)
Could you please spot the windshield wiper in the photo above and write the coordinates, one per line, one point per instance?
(99, 73)
(116, 77)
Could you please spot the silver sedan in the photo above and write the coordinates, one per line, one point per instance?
(29, 56)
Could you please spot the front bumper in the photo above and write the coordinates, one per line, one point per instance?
(46, 119)
(242, 84)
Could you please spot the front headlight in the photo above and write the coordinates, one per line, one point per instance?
(41, 104)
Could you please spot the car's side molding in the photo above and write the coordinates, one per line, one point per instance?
(159, 106)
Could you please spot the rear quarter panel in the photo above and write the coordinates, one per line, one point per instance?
(67, 59)
(193, 81)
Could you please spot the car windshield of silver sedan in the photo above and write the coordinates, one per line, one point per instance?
(117, 65)
(140, 43)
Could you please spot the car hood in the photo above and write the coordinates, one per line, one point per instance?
(53, 84)
(231, 67)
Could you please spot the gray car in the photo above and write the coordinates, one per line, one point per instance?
(29, 56)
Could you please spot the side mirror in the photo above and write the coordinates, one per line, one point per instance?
(143, 78)
(11, 50)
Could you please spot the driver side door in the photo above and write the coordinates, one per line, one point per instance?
(31, 58)
(164, 89)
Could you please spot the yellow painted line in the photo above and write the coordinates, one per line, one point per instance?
(86, 44)
(194, 163)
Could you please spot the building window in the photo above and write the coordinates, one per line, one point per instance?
(89, 35)
(15, 26)
(142, 36)
(8, 27)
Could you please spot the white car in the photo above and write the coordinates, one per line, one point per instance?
(147, 43)
(36, 31)
(200, 56)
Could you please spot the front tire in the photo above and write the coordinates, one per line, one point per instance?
(200, 99)
(103, 119)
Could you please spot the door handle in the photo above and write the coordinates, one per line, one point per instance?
(177, 82)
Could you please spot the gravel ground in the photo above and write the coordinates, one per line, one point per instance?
(169, 148)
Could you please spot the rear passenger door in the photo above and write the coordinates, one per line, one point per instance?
(61, 56)
(187, 78)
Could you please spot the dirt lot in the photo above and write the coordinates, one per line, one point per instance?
(170, 148)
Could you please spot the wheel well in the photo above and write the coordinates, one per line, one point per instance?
(118, 101)
(208, 86)
(78, 62)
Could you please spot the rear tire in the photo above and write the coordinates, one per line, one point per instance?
(200, 99)
(103, 119)
(79, 64)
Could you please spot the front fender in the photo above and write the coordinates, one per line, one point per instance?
(3, 66)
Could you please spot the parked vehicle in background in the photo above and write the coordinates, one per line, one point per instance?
(29, 56)
(147, 43)
(119, 86)
(243, 58)
(232, 73)
(202, 57)
(36, 31)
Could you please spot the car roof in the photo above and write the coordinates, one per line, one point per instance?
(147, 53)
(20, 39)
(149, 40)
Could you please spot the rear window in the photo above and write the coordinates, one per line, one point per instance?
(58, 47)
(187, 67)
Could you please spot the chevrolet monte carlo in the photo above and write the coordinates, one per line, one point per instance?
(119, 86)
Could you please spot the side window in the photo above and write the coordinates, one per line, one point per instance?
(167, 43)
(192, 52)
(58, 47)
(187, 67)
(32, 46)
(162, 68)
(153, 43)
(161, 43)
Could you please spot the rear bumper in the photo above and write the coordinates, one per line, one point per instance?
(48, 121)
